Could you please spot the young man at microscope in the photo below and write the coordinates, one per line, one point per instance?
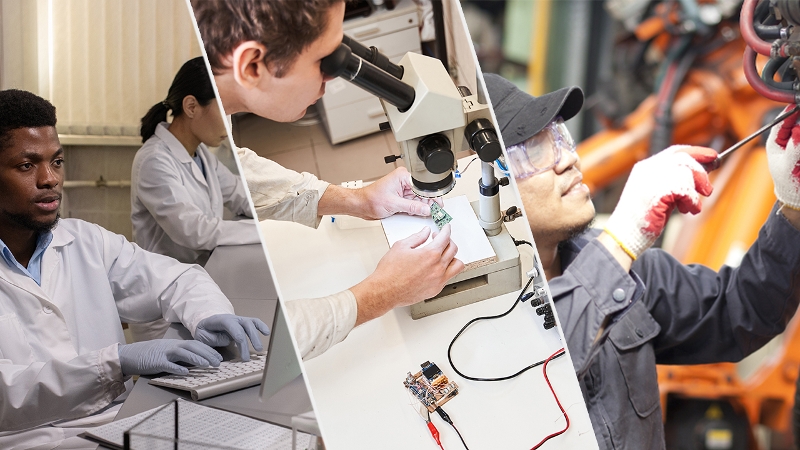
(624, 307)
(65, 287)
(266, 56)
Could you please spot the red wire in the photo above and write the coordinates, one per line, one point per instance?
(663, 90)
(544, 370)
(666, 83)
(435, 434)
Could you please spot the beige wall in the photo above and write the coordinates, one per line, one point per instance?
(109, 207)
(103, 64)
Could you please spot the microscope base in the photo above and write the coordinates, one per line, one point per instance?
(481, 283)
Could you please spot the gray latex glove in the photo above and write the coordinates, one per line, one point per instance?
(160, 355)
(222, 329)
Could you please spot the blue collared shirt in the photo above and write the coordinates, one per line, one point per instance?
(34, 269)
(200, 164)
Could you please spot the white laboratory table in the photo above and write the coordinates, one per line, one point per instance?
(242, 273)
(357, 386)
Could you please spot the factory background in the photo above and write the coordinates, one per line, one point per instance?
(104, 63)
(618, 52)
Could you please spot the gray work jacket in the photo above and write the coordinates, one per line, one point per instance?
(664, 312)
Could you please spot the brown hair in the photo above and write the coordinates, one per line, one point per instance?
(284, 27)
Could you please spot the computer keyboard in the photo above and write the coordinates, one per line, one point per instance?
(205, 382)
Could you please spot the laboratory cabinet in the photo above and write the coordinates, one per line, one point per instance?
(347, 111)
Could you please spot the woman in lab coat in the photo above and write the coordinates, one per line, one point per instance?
(178, 187)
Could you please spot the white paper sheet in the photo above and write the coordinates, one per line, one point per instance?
(474, 249)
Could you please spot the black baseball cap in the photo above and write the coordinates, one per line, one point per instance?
(521, 115)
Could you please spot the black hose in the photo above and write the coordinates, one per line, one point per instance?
(767, 32)
(764, 23)
(680, 75)
(762, 9)
(768, 74)
(787, 72)
(664, 124)
(661, 137)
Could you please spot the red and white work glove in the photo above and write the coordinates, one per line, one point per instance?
(783, 156)
(673, 178)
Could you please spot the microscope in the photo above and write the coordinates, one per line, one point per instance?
(431, 119)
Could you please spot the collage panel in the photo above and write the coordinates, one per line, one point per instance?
(373, 310)
(309, 224)
(706, 354)
(137, 309)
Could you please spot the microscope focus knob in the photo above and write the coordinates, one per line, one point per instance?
(435, 152)
(482, 139)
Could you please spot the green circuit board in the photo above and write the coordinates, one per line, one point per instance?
(439, 215)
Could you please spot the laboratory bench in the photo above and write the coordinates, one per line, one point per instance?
(357, 385)
(242, 273)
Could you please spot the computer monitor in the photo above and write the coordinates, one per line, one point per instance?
(282, 365)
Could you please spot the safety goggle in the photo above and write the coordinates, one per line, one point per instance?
(542, 151)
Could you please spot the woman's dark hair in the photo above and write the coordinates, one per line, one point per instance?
(191, 79)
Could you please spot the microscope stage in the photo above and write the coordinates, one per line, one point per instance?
(479, 283)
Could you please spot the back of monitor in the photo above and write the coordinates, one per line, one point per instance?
(282, 364)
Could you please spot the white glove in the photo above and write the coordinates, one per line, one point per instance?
(783, 154)
(657, 185)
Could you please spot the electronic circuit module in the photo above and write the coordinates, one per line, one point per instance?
(430, 386)
(439, 215)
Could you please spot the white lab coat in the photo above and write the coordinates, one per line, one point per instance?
(58, 342)
(175, 210)
(279, 193)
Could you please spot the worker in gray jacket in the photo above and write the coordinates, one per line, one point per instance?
(624, 307)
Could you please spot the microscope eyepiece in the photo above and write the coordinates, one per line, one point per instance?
(334, 64)
(372, 55)
(343, 63)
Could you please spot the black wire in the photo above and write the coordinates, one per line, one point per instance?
(447, 419)
(459, 435)
(468, 164)
(519, 242)
(508, 377)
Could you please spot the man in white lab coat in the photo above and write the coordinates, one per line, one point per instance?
(65, 287)
(266, 60)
